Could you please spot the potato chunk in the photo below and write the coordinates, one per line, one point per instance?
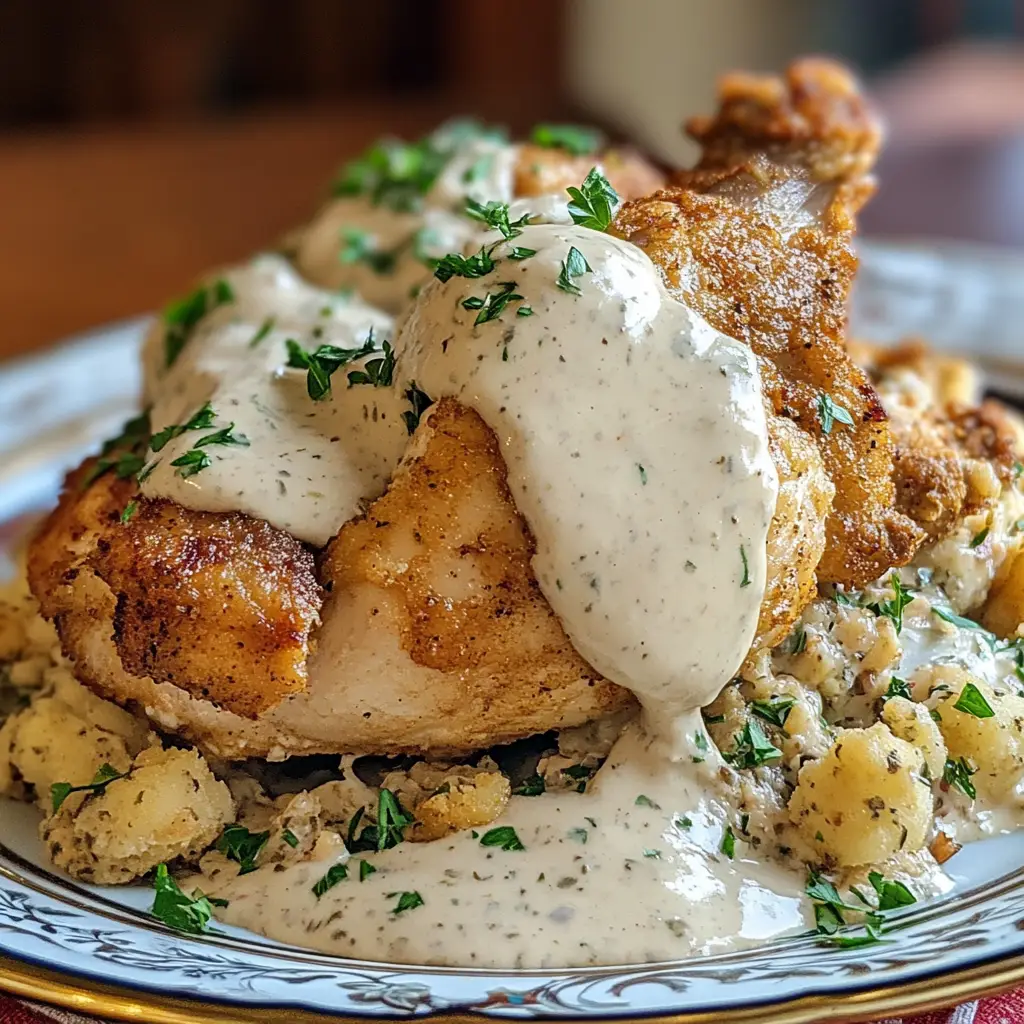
(461, 803)
(169, 806)
(995, 746)
(866, 798)
(913, 723)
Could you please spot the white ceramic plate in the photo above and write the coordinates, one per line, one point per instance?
(98, 948)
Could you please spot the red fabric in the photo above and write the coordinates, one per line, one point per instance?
(1008, 1009)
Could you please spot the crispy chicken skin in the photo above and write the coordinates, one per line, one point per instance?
(174, 572)
(757, 239)
(948, 449)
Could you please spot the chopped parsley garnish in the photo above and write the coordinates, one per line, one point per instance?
(105, 775)
(420, 402)
(893, 610)
(646, 801)
(176, 909)
(123, 453)
(972, 702)
(365, 870)
(192, 462)
(728, 846)
(129, 511)
(237, 843)
(202, 420)
(335, 874)
(532, 785)
(520, 252)
(524, 311)
(593, 203)
(290, 838)
(357, 247)
(378, 372)
(195, 459)
(394, 173)
(582, 773)
(578, 835)
(845, 599)
(830, 413)
(265, 328)
(392, 818)
(576, 138)
(653, 854)
(574, 265)
(898, 688)
(643, 474)
(753, 748)
(181, 316)
(979, 538)
(797, 641)
(958, 620)
(683, 822)
(495, 215)
(323, 362)
(774, 710)
(957, 773)
(406, 901)
(492, 304)
(457, 265)
(503, 836)
(700, 741)
(891, 894)
(745, 581)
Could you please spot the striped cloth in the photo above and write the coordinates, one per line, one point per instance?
(1007, 1009)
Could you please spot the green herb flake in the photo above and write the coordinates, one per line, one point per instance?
(593, 203)
(683, 822)
(322, 363)
(406, 901)
(365, 870)
(524, 311)
(728, 846)
(643, 474)
(495, 216)
(457, 265)
(972, 702)
(979, 538)
(504, 836)
(574, 265)
(420, 402)
(335, 874)
(745, 581)
(290, 838)
(493, 304)
(266, 327)
(652, 853)
(577, 835)
(898, 688)
(237, 843)
(646, 801)
(893, 610)
(957, 774)
(830, 413)
(577, 139)
(532, 785)
(753, 748)
(129, 511)
(775, 710)
(958, 620)
(176, 909)
(105, 775)
(378, 372)
(182, 316)
(201, 420)
(891, 894)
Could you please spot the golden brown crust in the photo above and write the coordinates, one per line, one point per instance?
(939, 445)
(774, 273)
(220, 606)
(543, 171)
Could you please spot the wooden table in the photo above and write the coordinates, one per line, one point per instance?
(100, 225)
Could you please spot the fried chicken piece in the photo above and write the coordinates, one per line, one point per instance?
(757, 239)
(220, 606)
(435, 634)
(954, 452)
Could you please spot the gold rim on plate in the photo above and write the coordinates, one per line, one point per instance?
(85, 996)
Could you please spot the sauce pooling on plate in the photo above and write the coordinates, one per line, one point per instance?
(637, 452)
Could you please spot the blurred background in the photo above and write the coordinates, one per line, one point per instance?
(141, 142)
